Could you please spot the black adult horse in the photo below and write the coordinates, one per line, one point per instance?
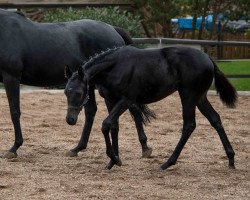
(136, 77)
(37, 53)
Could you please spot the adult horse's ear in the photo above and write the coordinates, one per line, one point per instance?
(67, 72)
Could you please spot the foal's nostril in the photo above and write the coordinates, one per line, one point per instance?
(70, 120)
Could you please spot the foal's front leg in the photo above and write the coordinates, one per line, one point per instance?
(90, 110)
(119, 108)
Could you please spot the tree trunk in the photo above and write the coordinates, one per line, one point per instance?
(195, 10)
(203, 19)
(194, 26)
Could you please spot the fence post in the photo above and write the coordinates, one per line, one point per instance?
(219, 47)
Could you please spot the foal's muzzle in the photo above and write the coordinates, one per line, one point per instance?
(72, 115)
(71, 120)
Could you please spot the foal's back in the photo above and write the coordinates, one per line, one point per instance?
(153, 74)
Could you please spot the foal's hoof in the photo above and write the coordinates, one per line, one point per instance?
(166, 165)
(231, 166)
(9, 155)
(71, 154)
(112, 163)
(147, 152)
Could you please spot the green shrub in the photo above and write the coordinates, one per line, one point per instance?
(110, 15)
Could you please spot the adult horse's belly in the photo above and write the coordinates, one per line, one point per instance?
(43, 76)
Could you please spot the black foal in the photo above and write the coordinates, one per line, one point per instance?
(135, 77)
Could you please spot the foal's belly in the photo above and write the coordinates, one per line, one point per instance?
(152, 97)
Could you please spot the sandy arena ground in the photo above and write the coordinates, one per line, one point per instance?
(42, 171)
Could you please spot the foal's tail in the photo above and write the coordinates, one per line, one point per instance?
(125, 36)
(142, 113)
(224, 88)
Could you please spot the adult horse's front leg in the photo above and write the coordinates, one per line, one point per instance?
(113, 117)
(90, 110)
(12, 87)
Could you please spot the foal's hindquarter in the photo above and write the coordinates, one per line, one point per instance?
(146, 76)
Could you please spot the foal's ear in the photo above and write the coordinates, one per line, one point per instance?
(67, 72)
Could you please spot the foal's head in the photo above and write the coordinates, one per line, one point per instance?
(76, 91)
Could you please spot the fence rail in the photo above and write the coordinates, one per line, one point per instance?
(216, 49)
(166, 41)
(238, 76)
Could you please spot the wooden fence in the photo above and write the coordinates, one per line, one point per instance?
(239, 52)
(228, 51)
(61, 3)
(206, 45)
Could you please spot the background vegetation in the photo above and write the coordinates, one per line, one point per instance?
(237, 68)
(110, 15)
(156, 15)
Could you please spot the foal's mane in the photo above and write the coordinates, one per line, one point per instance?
(20, 13)
(98, 57)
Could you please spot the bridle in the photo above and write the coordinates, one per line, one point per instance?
(85, 101)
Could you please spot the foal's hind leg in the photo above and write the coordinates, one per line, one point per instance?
(188, 111)
(146, 150)
(213, 117)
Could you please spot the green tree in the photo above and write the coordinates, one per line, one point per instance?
(110, 15)
(156, 16)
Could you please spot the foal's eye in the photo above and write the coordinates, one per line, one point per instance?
(78, 94)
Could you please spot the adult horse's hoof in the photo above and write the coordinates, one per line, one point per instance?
(112, 163)
(9, 155)
(147, 152)
(71, 154)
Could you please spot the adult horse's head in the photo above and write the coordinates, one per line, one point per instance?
(76, 91)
